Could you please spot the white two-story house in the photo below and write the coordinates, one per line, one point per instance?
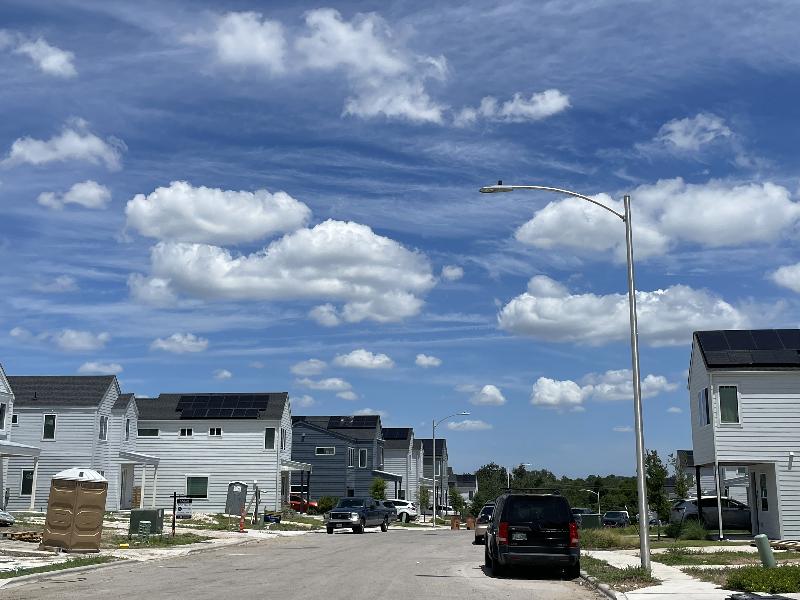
(398, 458)
(744, 389)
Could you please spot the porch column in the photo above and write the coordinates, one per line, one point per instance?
(35, 478)
(302, 482)
(719, 499)
(395, 488)
(699, 494)
(155, 484)
(144, 482)
(308, 486)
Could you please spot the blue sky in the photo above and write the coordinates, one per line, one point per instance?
(206, 196)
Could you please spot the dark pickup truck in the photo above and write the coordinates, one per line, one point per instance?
(356, 514)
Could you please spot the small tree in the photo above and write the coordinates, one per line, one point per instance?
(424, 499)
(656, 473)
(378, 489)
(457, 502)
(682, 481)
(326, 503)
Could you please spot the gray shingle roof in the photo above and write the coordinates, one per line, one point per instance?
(466, 480)
(165, 407)
(122, 402)
(60, 390)
(427, 446)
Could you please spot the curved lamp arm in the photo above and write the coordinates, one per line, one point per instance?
(491, 189)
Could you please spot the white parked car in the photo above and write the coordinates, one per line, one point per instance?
(406, 511)
(446, 511)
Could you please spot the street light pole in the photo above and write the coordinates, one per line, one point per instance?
(644, 540)
(435, 424)
(598, 498)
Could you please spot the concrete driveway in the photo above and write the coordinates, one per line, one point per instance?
(401, 563)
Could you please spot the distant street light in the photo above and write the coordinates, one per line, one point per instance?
(598, 498)
(508, 473)
(644, 540)
(435, 425)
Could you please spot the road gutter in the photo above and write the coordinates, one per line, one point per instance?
(603, 588)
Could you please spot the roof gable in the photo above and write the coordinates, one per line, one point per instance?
(60, 390)
(750, 348)
(5, 387)
(397, 438)
(427, 446)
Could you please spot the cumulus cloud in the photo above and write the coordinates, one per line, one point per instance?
(184, 213)
(550, 312)
(692, 133)
(425, 361)
(371, 411)
(519, 109)
(312, 366)
(452, 273)
(670, 212)
(80, 341)
(363, 359)
(100, 368)
(325, 315)
(151, 290)
(88, 194)
(488, 395)
(675, 410)
(787, 276)
(61, 284)
(247, 39)
(304, 401)
(180, 343)
(557, 394)
(74, 143)
(222, 374)
(48, 58)
(468, 425)
(347, 395)
(331, 384)
(376, 277)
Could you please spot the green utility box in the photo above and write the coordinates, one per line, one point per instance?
(591, 521)
(154, 515)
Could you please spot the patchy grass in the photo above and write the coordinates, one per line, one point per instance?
(297, 518)
(289, 527)
(215, 522)
(622, 580)
(80, 561)
(672, 543)
(606, 539)
(154, 541)
(679, 556)
(780, 580)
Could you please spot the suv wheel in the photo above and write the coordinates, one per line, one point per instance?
(385, 526)
(487, 559)
(330, 529)
(404, 517)
(573, 571)
(359, 528)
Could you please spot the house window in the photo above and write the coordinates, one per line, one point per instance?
(15, 419)
(147, 432)
(215, 431)
(269, 438)
(325, 450)
(103, 428)
(362, 458)
(127, 429)
(27, 482)
(728, 404)
(197, 486)
(380, 457)
(438, 467)
(283, 439)
(702, 407)
(351, 492)
(3, 415)
(762, 484)
(49, 427)
(186, 432)
(351, 457)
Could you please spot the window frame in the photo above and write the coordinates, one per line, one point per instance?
(156, 429)
(15, 420)
(186, 432)
(266, 429)
(3, 415)
(102, 434)
(205, 476)
(284, 438)
(22, 482)
(365, 453)
(127, 429)
(215, 432)
(55, 426)
(738, 420)
(318, 453)
(703, 408)
(351, 458)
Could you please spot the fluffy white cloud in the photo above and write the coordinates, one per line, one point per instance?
(80, 341)
(550, 312)
(376, 278)
(151, 290)
(312, 366)
(222, 374)
(488, 395)
(363, 359)
(623, 428)
(180, 343)
(452, 272)
(325, 315)
(331, 384)
(715, 214)
(371, 411)
(100, 368)
(692, 133)
(425, 361)
(62, 283)
(304, 401)
(557, 394)
(248, 39)
(675, 410)
(788, 276)
(49, 59)
(88, 194)
(75, 142)
(539, 106)
(347, 395)
(468, 425)
(184, 213)
(618, 385)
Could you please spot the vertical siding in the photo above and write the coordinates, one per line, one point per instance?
(237, 455)
(702, 437)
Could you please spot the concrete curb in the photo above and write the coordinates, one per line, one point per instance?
(603, 588)
(15, 581)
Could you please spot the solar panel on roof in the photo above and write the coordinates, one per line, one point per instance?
(740, 340)
(712, 341)
(790, 338)
(767, 339)
(395, 434)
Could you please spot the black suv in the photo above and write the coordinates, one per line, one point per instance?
(532, 529)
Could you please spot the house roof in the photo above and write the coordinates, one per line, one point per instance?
(167, 407)
(467, 480)
(361, 427)
(397, 438)
(750, 348)
(427, 446)
(122, 401)
(60, 390)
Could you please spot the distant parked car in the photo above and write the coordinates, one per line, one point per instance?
(577, 512)
(298, 503)
(446, 511)
(6, 519)
(616, 518)
(389, 507)
(482, 522)
(735, 515)
(356, 514)
(406, 511)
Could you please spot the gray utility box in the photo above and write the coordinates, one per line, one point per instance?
(237, 498)
(154, 515)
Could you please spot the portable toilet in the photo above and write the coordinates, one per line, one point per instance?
(237, 498)
(75, 511)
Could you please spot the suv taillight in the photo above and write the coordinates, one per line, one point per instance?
(502, 533)
(574, 538)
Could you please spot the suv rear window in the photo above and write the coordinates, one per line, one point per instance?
(543, 510)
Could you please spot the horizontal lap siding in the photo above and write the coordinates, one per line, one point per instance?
(330, 476)
(395, 461)
(237, 455)
(702, 437)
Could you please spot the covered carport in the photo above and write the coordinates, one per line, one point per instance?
(293, 466)
(14, 449)
(397, 480)
(144, 460)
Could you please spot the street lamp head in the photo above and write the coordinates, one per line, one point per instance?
(464, 414)
(491, 189)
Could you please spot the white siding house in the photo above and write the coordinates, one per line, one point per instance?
(398, 446)
(206, 441)
(744, 389)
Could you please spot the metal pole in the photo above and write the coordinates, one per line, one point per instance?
(433, 471)
(644, 516)
(508, 478)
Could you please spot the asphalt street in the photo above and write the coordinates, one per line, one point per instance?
(343, 566)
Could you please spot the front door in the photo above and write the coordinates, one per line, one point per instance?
(766, 502)
(126, 487)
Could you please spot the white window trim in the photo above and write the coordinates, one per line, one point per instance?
(158, 432)
(351, 458)
(274, 439)
(318, 453)
(15, 420)
(363, 452)
(4, 406)
(189, 432)
(284, 437)
(211, 429)
(22, 480)
(103, 435)
(55, 427)
(738, 406)
(127, 429)
(186, 484)
(701, 415)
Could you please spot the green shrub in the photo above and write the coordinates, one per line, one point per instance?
(673, 530)
(778, 580)
(693, 530)
(603, 539)
(326, 503)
